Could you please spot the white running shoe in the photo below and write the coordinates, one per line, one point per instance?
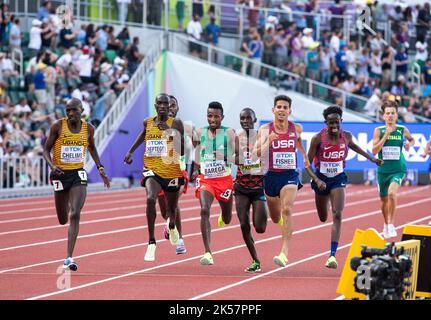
(150, 255)
(392, 231)
(386, 234)
(174, 236)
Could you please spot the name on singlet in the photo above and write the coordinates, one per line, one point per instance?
(250, 166)
(391, 153)
(284, 160)
(156, 148)
(331, 169)
(72, 154)
(214, 169)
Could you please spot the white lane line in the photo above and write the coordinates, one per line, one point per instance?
(224, 250)
(300, 213)
(235, 284)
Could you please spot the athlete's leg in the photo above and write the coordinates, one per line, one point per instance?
(260, 215)
(62, 206)
(226, 210)
(274, 208)
(243, 204)
(153, 189)
(322, 206)
(206, 199)
(287, 198)
(338, 197)
(163, 211)
(384, 202)
(172, 204)
(77, 196)
(163, 206)
(392, 202)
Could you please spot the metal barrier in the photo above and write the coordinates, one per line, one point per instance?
(23, 172)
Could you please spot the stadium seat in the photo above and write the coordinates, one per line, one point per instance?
(110, 55)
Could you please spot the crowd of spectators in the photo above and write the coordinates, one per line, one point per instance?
(86, 62)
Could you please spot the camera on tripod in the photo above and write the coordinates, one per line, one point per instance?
(382, 274)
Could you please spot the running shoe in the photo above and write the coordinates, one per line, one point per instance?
(391, 230)
(69, 263)
(207, 259)
(220, 222)
(181, 248)
(331, 263)
(254, 267)
(174, 236)
(386, 234)
(281, 221)
(150, 255)
(281, 260)
(166, 230)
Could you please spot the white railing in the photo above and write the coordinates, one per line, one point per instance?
(23, 172)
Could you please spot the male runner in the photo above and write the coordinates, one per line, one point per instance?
(180, 247)
(427, 152)
(71, 137)
(216, 155)
(388, 143)
(329, 149)
(249, 186)
(276, 146)
(164, 143)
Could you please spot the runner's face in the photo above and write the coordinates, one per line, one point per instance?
(281, 110)
(162, 106)
(215, 118)
(73, 113)
(390, 116)
(247, 120)
(173, 108)
(333, 121)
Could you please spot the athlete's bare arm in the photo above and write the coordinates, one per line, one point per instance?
(410, 140)
(427, 149)
(139, 140)
(95, 155)
(377, 142)
(352, 145)
(314, 145)
(263, 141)
(54, 133)
(178, 127)
(300, 145)
(197, 159)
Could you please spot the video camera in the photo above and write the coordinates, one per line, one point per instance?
(382, 274)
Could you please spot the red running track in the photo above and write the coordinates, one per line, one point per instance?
(113, 237)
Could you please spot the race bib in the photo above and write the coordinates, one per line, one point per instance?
(148, 173)
(391, 153)
(72, 154)
(156, 148)
(284, 160)
(173, 183)
(83, 175)
(226, 195)
(214, 169)
(58, 186)
(250, 167)
(331, 169)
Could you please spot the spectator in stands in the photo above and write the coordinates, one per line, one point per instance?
(155, 12)
(255, 53)
(85, 65)
(340, 65)
(352, 59)
(90, 35)
(378, 43)
(421, 51)
(280, 47)
(113, 42)
(50, 81)
(82, 35)
(423, 20)
(102, 38)
(22, 107)
(15, 35)
(67, 38)
(387, 57)
(334, 43)
(43, 12)
(307, 39)
(6, 66)
(194, 30)
(269, 42)
(40, 85)
(426, 78)
(313, 61)
(123, 6)
(212, 32)
(296, 49)
(47, 35)
(35, 43)
(179, 9)
(400, 88)
(372, 107)
(198, 9)
(336, 9)
(401, 37)
(401, 61)
(376, 68)
(325, 65)
(134, 57)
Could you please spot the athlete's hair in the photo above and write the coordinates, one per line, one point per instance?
(215, 105)
(283, 98)
(332, 109)
(75, 102)
(162, 95)
(247, 109)
(173, 98)
(389, 104)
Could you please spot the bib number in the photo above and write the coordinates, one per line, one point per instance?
(226, 195)
(148, 173)
(173, 183)
(214, 169)
(156, 148)
(58, 186)
(83, 175)
(331, 169)
(391, 153)
(284, 160)
(198, 182)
